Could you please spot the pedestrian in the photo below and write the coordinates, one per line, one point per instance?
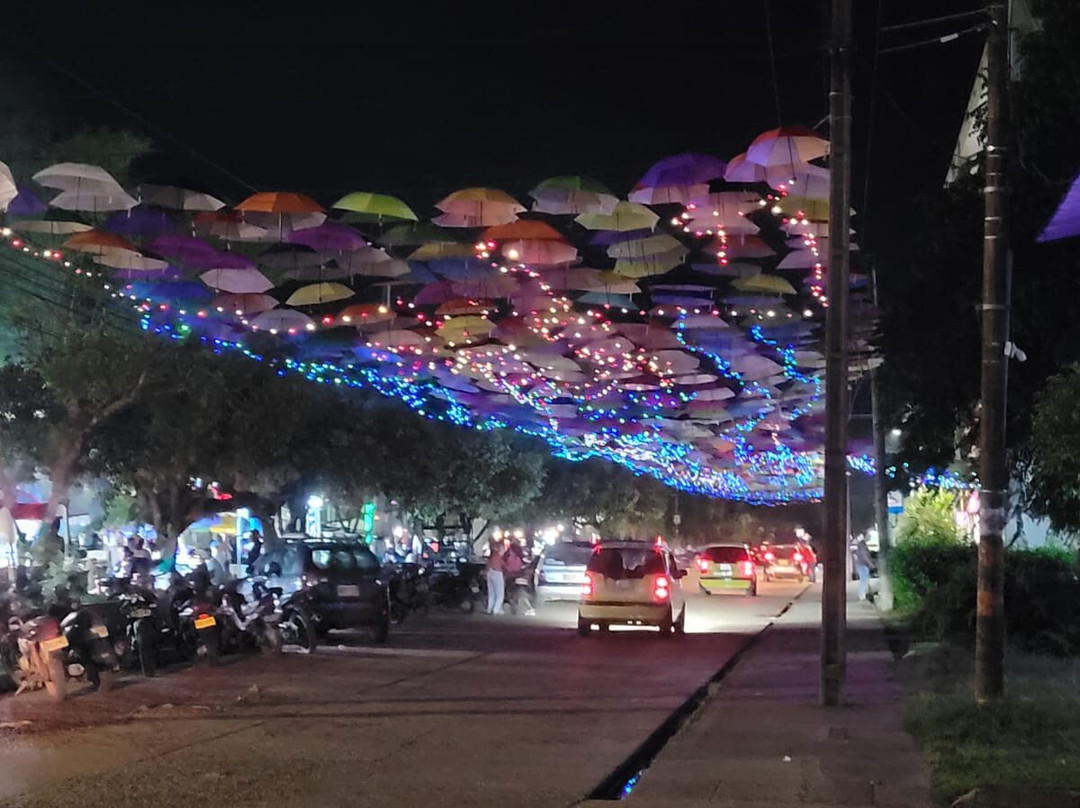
(255, 551)
(496, 584)
(862, 566)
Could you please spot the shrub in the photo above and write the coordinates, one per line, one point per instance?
(929, 516)
(937, 583)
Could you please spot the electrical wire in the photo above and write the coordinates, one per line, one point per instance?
(772, 65)
(865, 207)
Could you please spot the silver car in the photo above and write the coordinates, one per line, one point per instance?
(560, 571)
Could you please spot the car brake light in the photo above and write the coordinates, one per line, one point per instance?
(203, 615)
(703, 564)
(770, 557)
(587, 587)
(798, 556)
(748, 568)
(661, 589)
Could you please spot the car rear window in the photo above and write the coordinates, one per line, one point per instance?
(566, 553)
(342, 559)
(726, 555)
(784, 550)
(620, 563)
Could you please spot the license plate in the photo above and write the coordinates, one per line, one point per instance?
(205, 622)
(99, 631)
(348, 591)
(624, 584)
(55, 644)
(725, 569)
(783, 562)
(140, 613)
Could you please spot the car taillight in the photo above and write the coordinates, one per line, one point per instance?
(203, 615)
(797, 557)
(702, 564)
(770, 557)
(587, 587)
(661, 588)
(748, 568)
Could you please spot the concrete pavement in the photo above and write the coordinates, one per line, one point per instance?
(762, 741)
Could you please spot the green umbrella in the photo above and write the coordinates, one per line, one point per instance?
(764, 283)
(364, 206)
(405, 235)
(625, 216)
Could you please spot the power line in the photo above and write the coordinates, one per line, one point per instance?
(933, 20)
(772, 65)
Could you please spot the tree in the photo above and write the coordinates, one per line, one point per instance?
(929, 329)
(929, 517)
(1053, 484)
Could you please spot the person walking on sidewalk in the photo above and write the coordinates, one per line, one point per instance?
(496, 584)
(862, 566)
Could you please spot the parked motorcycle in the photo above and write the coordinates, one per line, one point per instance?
(292, 615)
(145, 631)
(192, 609)
(457, 592)
(519, 590)
(51, 651)
(408, 591)
(249, 624)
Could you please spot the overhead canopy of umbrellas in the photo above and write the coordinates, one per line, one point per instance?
(674, 332)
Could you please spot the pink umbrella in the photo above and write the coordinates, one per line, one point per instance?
(283, 320)
(741, 169)
(244, 303)
(787, 146)
(435, 293)
(240, 281)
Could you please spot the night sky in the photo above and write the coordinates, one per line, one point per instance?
(417, 99)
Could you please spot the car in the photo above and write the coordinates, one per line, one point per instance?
(785, 561)
(560, 571)
(727, 567)
(339, 581)
(632, 583)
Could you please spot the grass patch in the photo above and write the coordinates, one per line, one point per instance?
(1029, 739)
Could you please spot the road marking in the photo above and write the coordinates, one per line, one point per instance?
(421, 653)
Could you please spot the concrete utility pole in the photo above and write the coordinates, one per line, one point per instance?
(881, 495)
(993, 470)
(835, 545)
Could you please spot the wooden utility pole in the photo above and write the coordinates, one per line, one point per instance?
(881, 494)
(993, 470)
(834, 598)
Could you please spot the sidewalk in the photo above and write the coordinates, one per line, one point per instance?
(763, 741)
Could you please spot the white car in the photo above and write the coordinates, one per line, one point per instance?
(632, 583)
(560, 571)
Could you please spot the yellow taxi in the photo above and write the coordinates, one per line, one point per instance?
(632, 583)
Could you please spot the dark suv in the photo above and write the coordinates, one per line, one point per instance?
(337, 580)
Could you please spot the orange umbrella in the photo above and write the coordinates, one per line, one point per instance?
(279, 202)
(523, 229)
(95, 241)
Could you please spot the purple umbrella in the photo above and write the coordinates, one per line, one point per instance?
(1065, 223)
(26, 203)
(683, 170)
(169, 273)
(328, 236)
(182, 248)
(140, 221)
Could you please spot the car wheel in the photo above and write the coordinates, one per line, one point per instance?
(752, 591)
(667, 625)
(603, 627)
(583, 627)
(381, 631)
(704, 590)
(680, 624)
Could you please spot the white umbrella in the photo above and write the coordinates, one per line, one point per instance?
(78, 177)
(238, 281)
(126, 259)
(282, 320)
(8, 191)
(169, 196)
(94, 200)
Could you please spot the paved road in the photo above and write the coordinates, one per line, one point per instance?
(465, 711)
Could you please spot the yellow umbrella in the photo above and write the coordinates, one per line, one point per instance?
(458, 329)
(764, 283)
(316, 293)
(653, 265)
(227, 525)
(625, 216)
(434, 250)
(803, 207)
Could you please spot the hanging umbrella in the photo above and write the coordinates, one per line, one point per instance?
(279, 202)
(646, 247)
(8, 189)
(804, 179)
(625, 216)
(495, 286)
(651, 265)
(26, 203)
(240, 281)
(539, 253)
(460, 306)
(801, 207)
(370, 263)
(458, 329)
(435, 293)
(787, 146)
(129, 260)
(397, 338)
(140, 221)
(174, 198)
(572, 195)
(608, 299)
(802, 259)
(93, 201)
(440, 249)
(522, 229)
(478, 206)
(181, 248)
(741, 169)
(288, 320)
(363, 206)
(408, 235)
(361, 314)
(702, 322)
(741, 245)
(244, 303)
(681, 171)
(98, 241)
(79, 177)
(220, 260)
(293, 256)
(317, 293)
(228, 225)
(764, 283)
(55, 223)
(329, 236)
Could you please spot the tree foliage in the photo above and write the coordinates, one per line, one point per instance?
(929, 517)
(1053, 485)
(931, 283)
